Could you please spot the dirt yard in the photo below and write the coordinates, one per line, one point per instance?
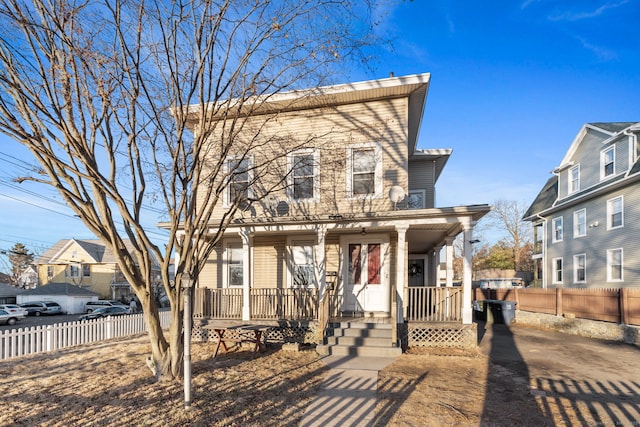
(108, 384)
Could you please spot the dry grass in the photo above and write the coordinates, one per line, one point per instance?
(108, 384)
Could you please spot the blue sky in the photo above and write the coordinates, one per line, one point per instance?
(511, 85)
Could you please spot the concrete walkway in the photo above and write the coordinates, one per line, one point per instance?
(347, 396)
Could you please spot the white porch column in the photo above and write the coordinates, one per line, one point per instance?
(401, 272)
(247, 258)
(467, 313)
(321, 260)
(449, 260)
(436, 265)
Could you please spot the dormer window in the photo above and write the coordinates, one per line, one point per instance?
(574, 179)
(607, 162)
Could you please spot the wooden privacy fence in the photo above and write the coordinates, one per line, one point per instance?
(608, 305)
(40, 339)
(434, 304)
(271, 303)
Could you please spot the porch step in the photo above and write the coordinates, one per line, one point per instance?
(358, 339)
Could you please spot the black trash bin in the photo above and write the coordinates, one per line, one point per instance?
(503, 312)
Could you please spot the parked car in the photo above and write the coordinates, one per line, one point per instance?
(94, 305)
(9, 318)
(37, 308)
(104, 312)
(13, 309)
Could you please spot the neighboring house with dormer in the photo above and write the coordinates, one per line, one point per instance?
(586, 218)
(87, 264)
(358, 216)
(28, 279)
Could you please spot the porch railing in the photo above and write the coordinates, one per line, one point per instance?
(434, 304)
(290, 304)
(271, 303)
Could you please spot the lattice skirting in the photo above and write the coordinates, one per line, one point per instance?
(282, 332)
(439, 335)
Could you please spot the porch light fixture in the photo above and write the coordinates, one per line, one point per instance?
(363, 232)
(474, 241)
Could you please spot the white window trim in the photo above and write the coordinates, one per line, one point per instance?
(576, 229)
(602, 163)
(554, 271)
(609, 253)
(377, 174)
(553, 229)
(225, 169)
(575, 268)
(609, 212)
(228, 245)
(316, 175)
(299, 241)
(570, 189)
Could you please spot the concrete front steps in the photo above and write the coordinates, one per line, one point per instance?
(358, 339)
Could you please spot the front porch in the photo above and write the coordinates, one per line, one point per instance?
(432, 315)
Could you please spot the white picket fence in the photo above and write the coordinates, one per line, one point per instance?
(39, 339)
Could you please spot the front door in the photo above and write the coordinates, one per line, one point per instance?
(366, 277)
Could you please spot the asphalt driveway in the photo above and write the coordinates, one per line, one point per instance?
(588, 381)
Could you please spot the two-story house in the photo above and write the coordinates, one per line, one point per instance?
(586, 216)
(357, 216)
(87, 264)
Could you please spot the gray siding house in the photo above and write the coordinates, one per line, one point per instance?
(586, 218)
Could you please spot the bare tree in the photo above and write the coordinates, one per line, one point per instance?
(105, 94)
(506, 217)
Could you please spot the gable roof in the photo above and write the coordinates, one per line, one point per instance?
(60, 289)
(94, 250)
(547, 197)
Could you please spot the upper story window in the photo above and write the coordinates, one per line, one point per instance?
(579, 268)
(574, 179)
(580, 223)
(49, 271)
(239, 177)
(304, 177)
(557, 229)
(615, 213)
(614, 265)
(364, 170)
(607, 162)
(557, 270)
(86, 270)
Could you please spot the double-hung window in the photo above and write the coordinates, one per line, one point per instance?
(579, 268)
(557, 229)
(239, 175)
(615, 211)
(614, 265)
(607, 162)
(557, 270)
(364, 170)
(574, 179)
(304, 175)
(580, 223)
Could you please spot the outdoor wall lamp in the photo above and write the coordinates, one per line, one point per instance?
(363, 232)
(474, 241)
